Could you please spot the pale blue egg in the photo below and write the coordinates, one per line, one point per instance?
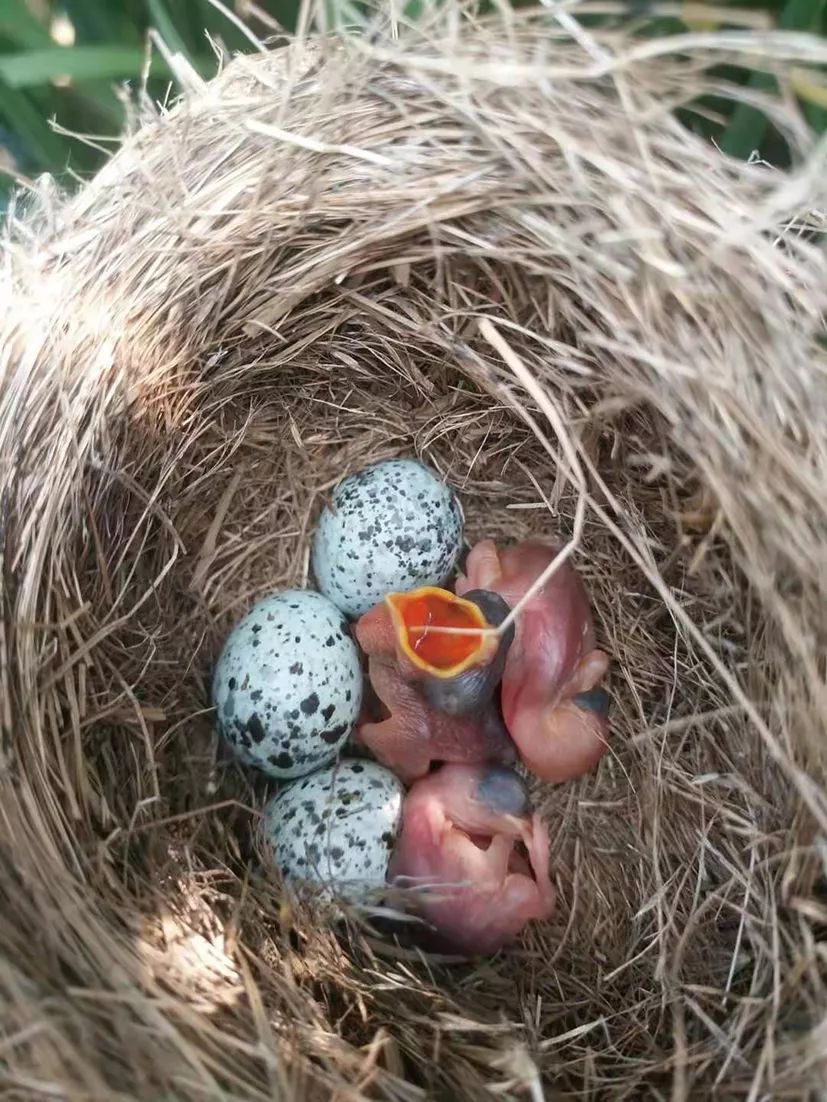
(336, 827)
(288, 684)
(390, 528)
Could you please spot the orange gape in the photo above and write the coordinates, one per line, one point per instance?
(552, 704)
(405, 657)
(418, 618)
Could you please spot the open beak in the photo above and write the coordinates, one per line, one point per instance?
(441, 635)
(459, 669)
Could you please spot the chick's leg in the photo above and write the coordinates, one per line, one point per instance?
(390, 745)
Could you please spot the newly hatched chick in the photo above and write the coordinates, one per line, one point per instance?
(460, 826)
(409, 663)
(551, 702)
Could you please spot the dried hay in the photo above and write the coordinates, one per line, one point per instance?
(491, 245)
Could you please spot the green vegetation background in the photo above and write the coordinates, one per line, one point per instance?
(68, 60)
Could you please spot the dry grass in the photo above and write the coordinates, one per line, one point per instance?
(490, 245)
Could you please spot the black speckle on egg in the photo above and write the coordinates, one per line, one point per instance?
(256, 728)
(310, 704)
(353, 838)
(232, 684)
(334, 734)
(283, 760)
(237, 733)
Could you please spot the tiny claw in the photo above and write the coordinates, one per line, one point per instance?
(596, 700)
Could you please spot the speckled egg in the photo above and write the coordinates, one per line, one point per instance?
(336, 827)
(389, 528)
(288, 685)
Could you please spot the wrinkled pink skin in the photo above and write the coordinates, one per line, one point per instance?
(552, 659)
(479, 899)
(414, 734)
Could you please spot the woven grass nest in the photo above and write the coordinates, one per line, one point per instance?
(493, 246)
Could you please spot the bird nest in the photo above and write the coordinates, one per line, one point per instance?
(491, 245)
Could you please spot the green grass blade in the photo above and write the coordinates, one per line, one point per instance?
(33, 67)
(748, 126)
(102, 21)
(808, 15)
(163, 22)
(801, 15)
(287, 12)
(19, 25)
(44, 149)
(93, 98)
(817, 118)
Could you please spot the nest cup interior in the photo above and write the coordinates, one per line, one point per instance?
(231, 327)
